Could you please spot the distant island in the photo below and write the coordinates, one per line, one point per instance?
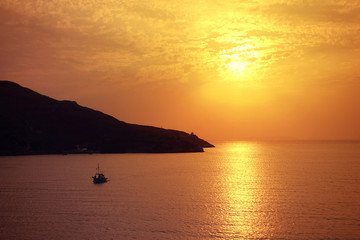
(31, 123)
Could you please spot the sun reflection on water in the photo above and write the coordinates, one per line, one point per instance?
(242, 190)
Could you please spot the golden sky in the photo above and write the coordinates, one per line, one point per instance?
(222, 69)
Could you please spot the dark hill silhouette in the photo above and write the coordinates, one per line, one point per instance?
(31, 123)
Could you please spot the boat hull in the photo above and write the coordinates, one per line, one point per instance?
(99, 181)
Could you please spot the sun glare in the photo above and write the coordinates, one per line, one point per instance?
(238, 61)
(238, 68)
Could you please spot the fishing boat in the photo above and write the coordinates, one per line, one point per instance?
(99, 176)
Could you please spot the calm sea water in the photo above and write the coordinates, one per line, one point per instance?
(238, 190)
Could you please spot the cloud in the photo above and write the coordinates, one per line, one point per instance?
(319, 11)
(156, 39)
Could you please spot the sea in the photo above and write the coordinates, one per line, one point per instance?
(237, 190)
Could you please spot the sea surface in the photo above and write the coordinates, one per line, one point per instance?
(238, 190)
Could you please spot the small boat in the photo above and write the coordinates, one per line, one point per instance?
(99, 176)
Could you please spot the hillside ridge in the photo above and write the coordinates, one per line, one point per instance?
(32, 123)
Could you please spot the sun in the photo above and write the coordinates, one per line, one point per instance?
(238, 61)
(237, 67)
